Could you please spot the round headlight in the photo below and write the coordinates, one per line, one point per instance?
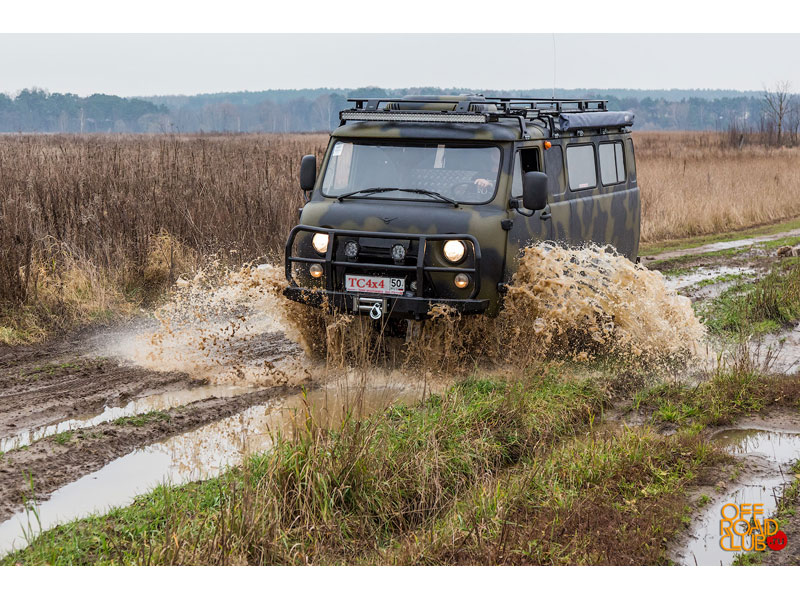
(454, 250)
(320, 242)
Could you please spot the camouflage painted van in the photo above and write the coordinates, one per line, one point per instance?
(428, 200)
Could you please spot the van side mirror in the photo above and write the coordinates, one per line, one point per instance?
(308, 172)
(534, 190)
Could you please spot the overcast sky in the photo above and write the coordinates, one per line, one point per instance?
(153, 64)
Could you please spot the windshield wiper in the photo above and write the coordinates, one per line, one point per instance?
(378, 190)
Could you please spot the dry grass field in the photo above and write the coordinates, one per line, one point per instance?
(92, 226)
(694, 183)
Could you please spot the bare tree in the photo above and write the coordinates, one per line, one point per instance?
(323, 112)
(778, 105)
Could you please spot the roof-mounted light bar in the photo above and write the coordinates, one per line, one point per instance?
(415, 116)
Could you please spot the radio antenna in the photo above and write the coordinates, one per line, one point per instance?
(554, 65)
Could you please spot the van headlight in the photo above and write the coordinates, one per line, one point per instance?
(320, 242)
(454, 250)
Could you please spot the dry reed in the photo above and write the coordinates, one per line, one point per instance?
(90, 225)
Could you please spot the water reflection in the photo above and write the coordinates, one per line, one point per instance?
(204, 452)
(778, 452)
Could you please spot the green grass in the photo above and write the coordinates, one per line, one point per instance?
(676, 266)
(63, 438)
(757, 307)
(492, 472)
(726, 396)
(143, 419)
(693, 242)
(726, 278)
(773, 244)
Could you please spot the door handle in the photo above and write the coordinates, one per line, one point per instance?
(546, 214)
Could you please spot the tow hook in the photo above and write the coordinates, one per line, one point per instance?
(376, 312)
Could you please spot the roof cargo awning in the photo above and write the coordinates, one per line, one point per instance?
(594, 120)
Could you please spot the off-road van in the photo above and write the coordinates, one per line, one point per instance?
(429, 200)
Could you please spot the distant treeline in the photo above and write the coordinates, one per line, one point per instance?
(39, 111)
(285, 111)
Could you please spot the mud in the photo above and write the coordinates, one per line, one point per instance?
(202, 452)
(39, 389)
(787, 347)
(140, 405)
(716, 247)
(51, 464)
(766, 458)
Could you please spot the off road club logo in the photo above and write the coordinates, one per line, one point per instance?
(743, 528)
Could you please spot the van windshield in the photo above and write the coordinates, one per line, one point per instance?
(464, 173)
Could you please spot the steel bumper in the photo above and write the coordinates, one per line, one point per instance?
(378, 306)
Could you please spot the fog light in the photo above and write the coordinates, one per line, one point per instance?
(461, 280)
(413, 286)
(351, 250)
(320, 242)
(398, 252)
(454, 250)
(316, 271)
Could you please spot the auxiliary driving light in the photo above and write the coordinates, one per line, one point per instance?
(398, 252)
(461, 280)
(320, 242)
(316, 271)
(454, 250)
(351, 250)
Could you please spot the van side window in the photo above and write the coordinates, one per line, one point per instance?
(554, 165)
(612, 163)
(525, 161)
(631, 160)
(581, 168)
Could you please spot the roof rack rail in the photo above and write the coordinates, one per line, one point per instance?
(474, 108)
(554, 106)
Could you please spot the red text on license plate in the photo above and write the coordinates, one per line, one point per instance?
(375, 285)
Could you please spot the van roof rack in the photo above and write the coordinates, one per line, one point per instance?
(475, 108)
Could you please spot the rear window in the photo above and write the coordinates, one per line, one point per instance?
(612, 163)
(581, 169)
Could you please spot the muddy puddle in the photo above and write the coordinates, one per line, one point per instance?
(203, 453)
(714, 280)
(785, 346)
(138, 406)
(769, 456)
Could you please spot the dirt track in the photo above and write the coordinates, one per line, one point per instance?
(47, 384)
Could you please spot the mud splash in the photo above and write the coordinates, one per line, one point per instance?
(227, 327)
(236, 326)
(769, 455)
(577, 304)
(601, 302)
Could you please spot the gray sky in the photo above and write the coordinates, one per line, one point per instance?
(152, 64)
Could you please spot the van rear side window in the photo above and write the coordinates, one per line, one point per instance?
(612, 163)
(581, 169)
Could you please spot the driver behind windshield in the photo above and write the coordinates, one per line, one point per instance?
(477, 168)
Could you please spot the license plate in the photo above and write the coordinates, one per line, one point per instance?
(394, 286)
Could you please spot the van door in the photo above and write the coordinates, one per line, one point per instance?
(526, 227)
